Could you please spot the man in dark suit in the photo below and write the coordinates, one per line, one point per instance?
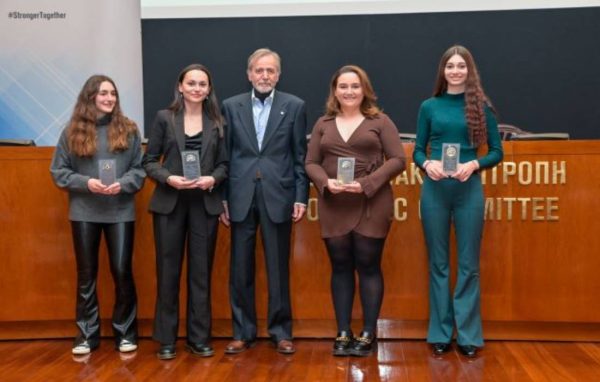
(267, 187)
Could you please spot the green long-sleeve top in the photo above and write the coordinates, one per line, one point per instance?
(442, 120)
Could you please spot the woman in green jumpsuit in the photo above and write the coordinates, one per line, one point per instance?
(459, 113)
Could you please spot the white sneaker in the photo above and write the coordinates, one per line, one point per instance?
(81, 349)
(126, 346)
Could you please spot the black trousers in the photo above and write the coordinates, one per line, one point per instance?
(119, 241)
(188, 222)
(276, 245)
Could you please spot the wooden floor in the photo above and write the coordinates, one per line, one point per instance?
(51, 360)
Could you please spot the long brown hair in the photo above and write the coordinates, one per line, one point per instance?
(210, 105)
(475, 97)
(81, 130)
(368, 107)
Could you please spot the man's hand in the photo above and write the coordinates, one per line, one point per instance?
(299, 210)
(224, 217)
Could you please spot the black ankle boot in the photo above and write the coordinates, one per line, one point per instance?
(440, 348)
(468, 351)
(364, 345)
(343, 343)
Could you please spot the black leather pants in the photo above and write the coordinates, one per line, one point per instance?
(119, 240)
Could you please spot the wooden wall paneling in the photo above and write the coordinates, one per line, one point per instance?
(539, 278)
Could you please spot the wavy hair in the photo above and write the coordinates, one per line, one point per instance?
(368, 106)
(210, 105)
(475, 97)
(81, 129)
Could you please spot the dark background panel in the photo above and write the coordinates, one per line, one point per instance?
(539, 67)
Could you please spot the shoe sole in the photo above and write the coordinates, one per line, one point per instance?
(340, 353)
(286, 352)
(199, 354)
(249, 345)
(81, 352)
(127, 349)
(84, 351)
(364, 353)
(166, 357)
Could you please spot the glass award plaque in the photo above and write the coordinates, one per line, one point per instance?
(345, 170)
(107, 171)
(450, 157)
(191, 164)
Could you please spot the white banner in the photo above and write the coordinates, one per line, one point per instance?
(48, 48)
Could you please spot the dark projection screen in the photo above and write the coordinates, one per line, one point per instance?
(539, 67)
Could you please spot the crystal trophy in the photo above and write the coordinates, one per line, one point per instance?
(450, 157)
(345, 170)
(107, 170)
(191, 164)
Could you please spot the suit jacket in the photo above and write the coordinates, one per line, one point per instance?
(279, 163)
(166, 140)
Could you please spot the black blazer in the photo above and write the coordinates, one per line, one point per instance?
(280, 161)
(166, 140)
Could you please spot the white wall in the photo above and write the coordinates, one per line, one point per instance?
(255, 8)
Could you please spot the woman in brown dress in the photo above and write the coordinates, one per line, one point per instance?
(355, 217)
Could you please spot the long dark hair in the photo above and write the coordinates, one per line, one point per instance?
(81, 130)
(475, 97)
(210, 105)
(368, 107)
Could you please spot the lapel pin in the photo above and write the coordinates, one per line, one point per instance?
(282, 112)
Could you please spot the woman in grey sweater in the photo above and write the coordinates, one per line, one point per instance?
(98, 160)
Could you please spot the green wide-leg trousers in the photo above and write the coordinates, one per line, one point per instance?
(445, 202)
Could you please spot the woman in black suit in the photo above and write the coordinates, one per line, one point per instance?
(186, 209)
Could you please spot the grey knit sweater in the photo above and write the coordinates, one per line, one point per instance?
(72, 172)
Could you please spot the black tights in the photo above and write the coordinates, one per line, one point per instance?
(363, 254)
